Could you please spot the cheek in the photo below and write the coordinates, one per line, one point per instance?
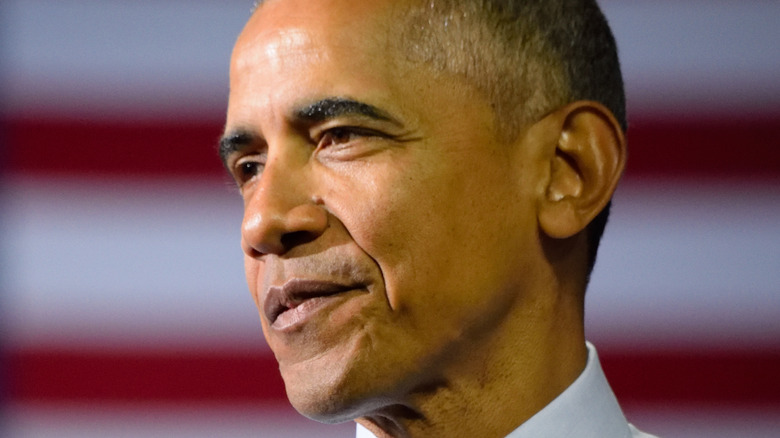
(375, 204)
(397, 215)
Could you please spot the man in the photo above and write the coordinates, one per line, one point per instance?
(425, 185)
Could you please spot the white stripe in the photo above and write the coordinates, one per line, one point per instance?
(122, 263)
(170, 59)
(69, 420)
(87, 421)
(689, 264)
(97, 58)
(683, 56)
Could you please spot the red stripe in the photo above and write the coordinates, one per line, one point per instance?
(697, 147)
(701, 377)
(714, 147)
(140, 376)
(708, 377)
(101, 148)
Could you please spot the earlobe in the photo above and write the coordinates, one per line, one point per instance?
(584, 168)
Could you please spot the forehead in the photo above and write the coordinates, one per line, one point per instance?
(294, 52)
(309, 27)
(343, 11)
(296, 43)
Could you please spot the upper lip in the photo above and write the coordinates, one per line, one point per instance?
(293, 292)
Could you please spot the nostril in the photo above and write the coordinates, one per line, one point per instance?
(293, 239)
(255, 250)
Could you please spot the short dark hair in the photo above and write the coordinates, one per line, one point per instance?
(529, 57)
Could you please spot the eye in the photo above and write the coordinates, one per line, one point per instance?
(247, 168)
(343, 135)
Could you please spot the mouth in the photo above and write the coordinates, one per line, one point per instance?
(295, 300)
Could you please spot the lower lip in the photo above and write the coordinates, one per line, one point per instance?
(297, 316)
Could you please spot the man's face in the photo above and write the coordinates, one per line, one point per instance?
(387, 231)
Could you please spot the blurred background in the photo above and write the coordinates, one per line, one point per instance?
(123, 308)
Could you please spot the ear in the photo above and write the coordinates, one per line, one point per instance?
(584, 168)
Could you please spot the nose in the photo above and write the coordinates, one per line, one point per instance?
(281, 212)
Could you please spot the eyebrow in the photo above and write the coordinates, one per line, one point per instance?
(333, 107)
(234, 142)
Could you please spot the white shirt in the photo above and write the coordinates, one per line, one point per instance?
(586, 409)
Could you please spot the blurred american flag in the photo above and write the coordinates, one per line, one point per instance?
(123, 309)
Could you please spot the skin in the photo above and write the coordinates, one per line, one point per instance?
(456, 314)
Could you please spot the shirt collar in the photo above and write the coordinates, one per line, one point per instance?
(586, 409)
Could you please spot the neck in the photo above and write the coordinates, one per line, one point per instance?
(495, 384)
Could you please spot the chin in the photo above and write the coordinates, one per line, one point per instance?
(325, 393)
(326, 405)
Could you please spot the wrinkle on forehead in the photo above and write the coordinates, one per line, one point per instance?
(297, 21)
(287, 42)
(285, 52)
(284, 46)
